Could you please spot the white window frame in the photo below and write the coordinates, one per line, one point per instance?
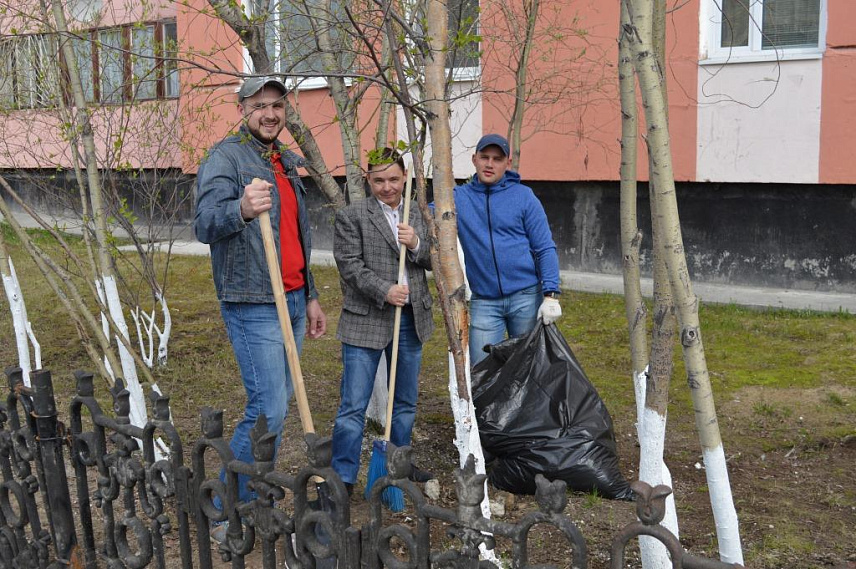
(301, 84)
(712, 53)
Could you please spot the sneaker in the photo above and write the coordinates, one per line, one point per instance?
(418, 475)
(218, 532)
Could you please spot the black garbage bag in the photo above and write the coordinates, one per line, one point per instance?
(538, 413)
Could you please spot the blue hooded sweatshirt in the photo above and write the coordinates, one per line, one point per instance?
(505, 236)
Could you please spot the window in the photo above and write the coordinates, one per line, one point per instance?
(170, 67)
(111, 68)
(463, 55)
(463, 34)
(291, 37)
(115, 64)
(765, 29)
(29, 78)
(134, 62)
(143, 69)
(290, 42)
(82, 47)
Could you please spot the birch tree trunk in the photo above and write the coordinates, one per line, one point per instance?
(346, 104)
(650, 383)
(441, 227)
(515, 127)
(387, 107)
(106, 277)
(631, 236)
(18, 308)
(450, 269)
(639, 33)
(443, 180)
(651, 377)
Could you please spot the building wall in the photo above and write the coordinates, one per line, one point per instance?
(727, 121)
(150, 132)
(747, 234)
(838, 117)
(752, 234)
(208, 92)
(762, 151)
(576, 137)
(759, 122)
(466, 125)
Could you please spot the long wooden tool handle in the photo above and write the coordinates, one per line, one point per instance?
(396, 330)
(285, 323)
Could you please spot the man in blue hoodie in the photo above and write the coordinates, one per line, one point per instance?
(511, 259)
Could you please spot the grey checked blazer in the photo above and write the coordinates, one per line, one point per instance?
(366, 253)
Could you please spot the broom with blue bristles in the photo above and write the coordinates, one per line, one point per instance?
(393, 498)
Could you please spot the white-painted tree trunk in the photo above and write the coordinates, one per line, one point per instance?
(722, 502)
(640, 383)
(105, 325)
(129, 369)
(650, 76)
(37, 348)
(467, 439)
(148, 322)
(23, 330)
(653, 470)
(138, 414)
(145, 352)
(163, 335)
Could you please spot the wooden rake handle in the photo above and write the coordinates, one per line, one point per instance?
(396, 330)
(285, 322)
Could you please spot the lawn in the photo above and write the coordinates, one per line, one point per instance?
(784, 382)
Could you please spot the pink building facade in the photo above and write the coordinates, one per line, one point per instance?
(762, 103)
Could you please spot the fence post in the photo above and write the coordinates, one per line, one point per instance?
(56, 482)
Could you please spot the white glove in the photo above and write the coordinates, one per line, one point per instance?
(550, 310)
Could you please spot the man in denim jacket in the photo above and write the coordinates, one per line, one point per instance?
(228, 204)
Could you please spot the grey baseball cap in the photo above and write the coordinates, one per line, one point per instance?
(253, 85)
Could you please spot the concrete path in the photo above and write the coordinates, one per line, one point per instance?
(755, 297)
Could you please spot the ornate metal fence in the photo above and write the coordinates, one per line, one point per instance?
(137, 510)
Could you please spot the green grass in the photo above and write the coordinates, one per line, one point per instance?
(781, 379)
(592, 500)
(774, 349)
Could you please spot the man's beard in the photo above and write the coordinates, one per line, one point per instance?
(257, 132)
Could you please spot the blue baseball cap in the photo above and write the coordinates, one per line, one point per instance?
(493, 140)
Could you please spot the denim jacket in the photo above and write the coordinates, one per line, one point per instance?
(237, 250)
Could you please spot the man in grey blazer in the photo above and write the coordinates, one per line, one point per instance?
(366, 245)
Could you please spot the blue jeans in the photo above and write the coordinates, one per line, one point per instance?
(360, 367)
(490, 318)
(256, 339)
